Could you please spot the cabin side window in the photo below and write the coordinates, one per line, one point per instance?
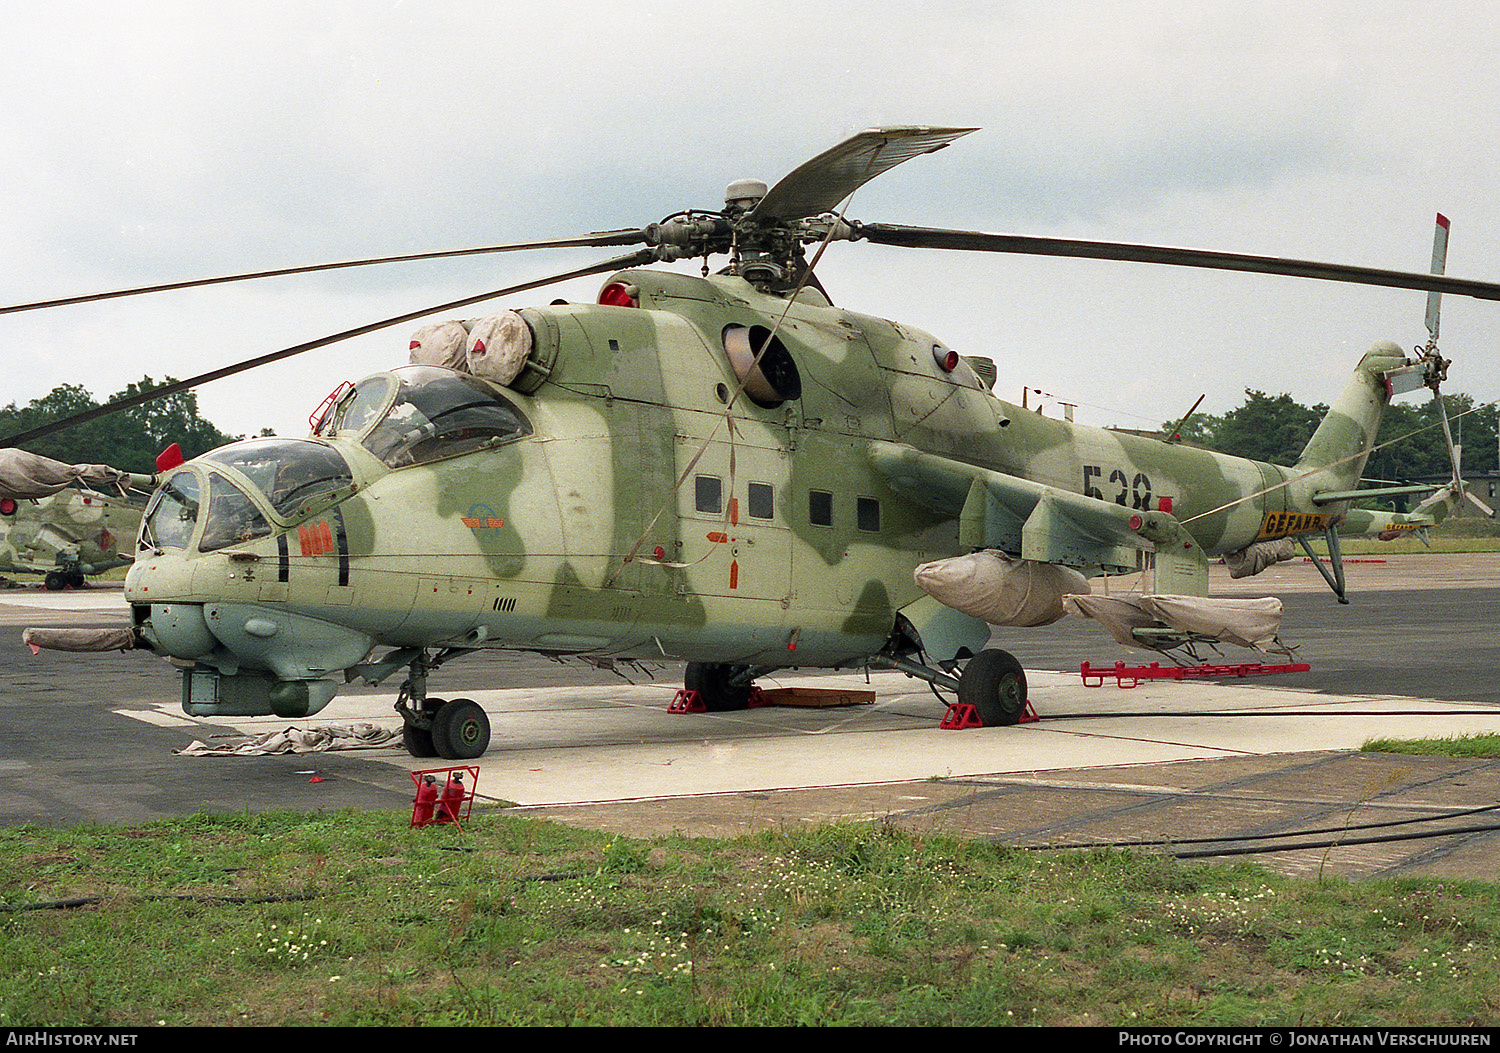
(820, 508)
(867, 514)
(708, 494)
(762, 504)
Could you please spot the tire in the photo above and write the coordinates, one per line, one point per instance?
(418, 741)
(711, 681)
(994, 683)
(461, 730)
(55, 581)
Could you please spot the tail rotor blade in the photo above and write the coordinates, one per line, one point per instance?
(1439, 265)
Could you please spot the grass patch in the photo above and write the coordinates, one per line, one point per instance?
(352, 919)
(1479, 745)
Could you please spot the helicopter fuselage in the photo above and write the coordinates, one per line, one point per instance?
(642, 491)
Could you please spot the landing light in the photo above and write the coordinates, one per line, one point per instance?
(7, 506)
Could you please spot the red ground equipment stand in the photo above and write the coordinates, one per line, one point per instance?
(443, 795)
(1155, 671)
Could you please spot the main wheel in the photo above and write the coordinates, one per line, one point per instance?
(461, 730)
(418, 741)
(712, 682)
(994, 683)
(55, 581)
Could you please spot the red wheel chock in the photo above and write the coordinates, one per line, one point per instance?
(687, 702)
(961, 715)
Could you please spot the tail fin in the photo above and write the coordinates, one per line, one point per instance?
(1344, 438)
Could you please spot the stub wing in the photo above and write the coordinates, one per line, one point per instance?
(1043, 523)
(1039, 525)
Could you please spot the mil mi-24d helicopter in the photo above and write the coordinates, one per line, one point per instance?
(725, 469)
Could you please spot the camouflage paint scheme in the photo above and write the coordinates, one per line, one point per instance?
(585, 536)
(69, 534)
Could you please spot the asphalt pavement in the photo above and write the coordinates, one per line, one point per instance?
(92, 738)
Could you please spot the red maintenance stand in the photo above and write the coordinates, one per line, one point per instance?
(444, 795)
(1155, 671)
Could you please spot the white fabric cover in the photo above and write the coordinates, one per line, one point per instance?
(360, 736)
(1252, 559)
(498, 347)
(1001, 590)
(1118, 616)
(119, 639)
(1244, 622)
(443, 344)
(28, 475)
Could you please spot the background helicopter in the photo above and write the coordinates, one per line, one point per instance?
(67, 522)
(727, 469)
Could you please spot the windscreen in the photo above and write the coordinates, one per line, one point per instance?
(292, 473)
(172, 513)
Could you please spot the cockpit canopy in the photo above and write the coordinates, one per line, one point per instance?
(294, 477)
(418, 414)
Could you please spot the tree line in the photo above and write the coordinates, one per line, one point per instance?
(129, 440)
(1265, 427)
(1409, 445)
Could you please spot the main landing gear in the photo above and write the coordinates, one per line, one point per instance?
(994, 683)
(57, 580)
(457, 729)
(720, 686)
(991, 681)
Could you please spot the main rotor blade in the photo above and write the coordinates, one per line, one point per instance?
(817, 186)
(979, 241)
(618, 263)
(597, 240)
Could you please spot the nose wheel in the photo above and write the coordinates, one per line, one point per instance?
(432, 727)
(456, 730)
(460, 730)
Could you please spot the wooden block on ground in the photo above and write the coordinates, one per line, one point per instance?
(816, 696)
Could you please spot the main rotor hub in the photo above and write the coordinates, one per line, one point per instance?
(743, 194)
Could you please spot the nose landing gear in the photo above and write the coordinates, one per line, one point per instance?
(433, 727)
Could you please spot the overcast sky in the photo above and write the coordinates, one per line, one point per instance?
(167, 140)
